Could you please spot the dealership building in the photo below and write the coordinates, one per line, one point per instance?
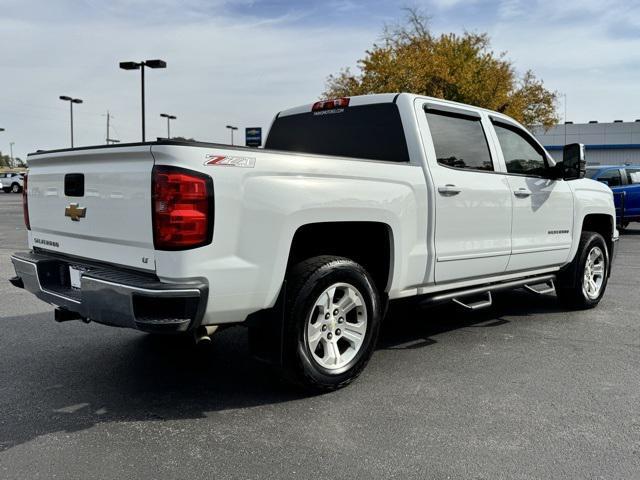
(613, 143)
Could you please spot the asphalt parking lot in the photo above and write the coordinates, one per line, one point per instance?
(523, 390)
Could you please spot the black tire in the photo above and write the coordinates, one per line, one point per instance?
(570, 289)
(15, 188)
(6, 189)
(306, 283)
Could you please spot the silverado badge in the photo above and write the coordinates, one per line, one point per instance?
(74, 212)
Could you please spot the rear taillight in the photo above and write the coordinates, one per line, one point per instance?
(182, 208)
(25, 203)
(330, 104)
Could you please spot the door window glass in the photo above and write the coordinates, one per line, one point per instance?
(611, 177)
(521, 154)
(459, 141)
(633, 175)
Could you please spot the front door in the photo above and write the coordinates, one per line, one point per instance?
(542, 222)
(473, 200)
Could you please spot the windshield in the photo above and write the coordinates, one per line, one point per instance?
(591, 172)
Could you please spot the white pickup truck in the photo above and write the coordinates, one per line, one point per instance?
(354, 202)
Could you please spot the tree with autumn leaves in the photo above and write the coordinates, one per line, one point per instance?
(455, 67)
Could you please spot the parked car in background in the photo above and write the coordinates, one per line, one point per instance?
(11, 182)
(624, 181)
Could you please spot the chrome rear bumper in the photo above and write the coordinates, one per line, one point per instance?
(112, 296)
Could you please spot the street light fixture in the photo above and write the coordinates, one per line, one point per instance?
(232, 128)
(140, 66)
(169, 118)
(71, 102)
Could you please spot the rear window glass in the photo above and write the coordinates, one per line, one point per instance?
(369, 131)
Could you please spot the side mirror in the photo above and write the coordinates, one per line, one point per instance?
(574, 164)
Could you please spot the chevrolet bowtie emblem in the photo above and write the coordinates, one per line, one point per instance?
(74, 212)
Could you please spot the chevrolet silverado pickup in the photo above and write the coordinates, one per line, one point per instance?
(353, 202)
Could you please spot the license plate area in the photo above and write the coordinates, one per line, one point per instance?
(59, 276)
(75, 276)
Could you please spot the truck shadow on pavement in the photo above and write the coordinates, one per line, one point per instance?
(410, 326)
(97, 374)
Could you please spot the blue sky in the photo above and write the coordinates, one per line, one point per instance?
(241, 61)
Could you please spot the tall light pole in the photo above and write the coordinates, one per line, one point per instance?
(11, 144)
(71, 102)
(232, 128)
(140, 66)
(108, 139)
(565, 117)
(169, 118)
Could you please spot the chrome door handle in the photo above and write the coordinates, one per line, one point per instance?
(522, 193)
(449, 190)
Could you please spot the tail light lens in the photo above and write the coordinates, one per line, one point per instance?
(25, 203)
(182, 208)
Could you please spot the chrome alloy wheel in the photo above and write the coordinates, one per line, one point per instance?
(594, 272)
(337, 326)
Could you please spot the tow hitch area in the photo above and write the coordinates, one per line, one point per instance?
(63, 315)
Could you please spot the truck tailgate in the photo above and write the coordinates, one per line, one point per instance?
(93, 203)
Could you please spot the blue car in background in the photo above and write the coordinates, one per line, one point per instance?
(624, 181)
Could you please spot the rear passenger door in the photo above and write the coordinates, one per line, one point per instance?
(473, 200)
(542, 225)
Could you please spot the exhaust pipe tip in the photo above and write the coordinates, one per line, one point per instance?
(203, 334)
(203, 341)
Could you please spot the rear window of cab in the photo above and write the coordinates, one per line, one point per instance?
(372, 132)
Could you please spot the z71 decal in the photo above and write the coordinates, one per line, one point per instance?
(225, 161)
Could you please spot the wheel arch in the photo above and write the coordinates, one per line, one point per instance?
(369, 243)
(603, 224)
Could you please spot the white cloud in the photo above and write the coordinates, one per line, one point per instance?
(571, 46)
(220, 70)
(588, 49)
